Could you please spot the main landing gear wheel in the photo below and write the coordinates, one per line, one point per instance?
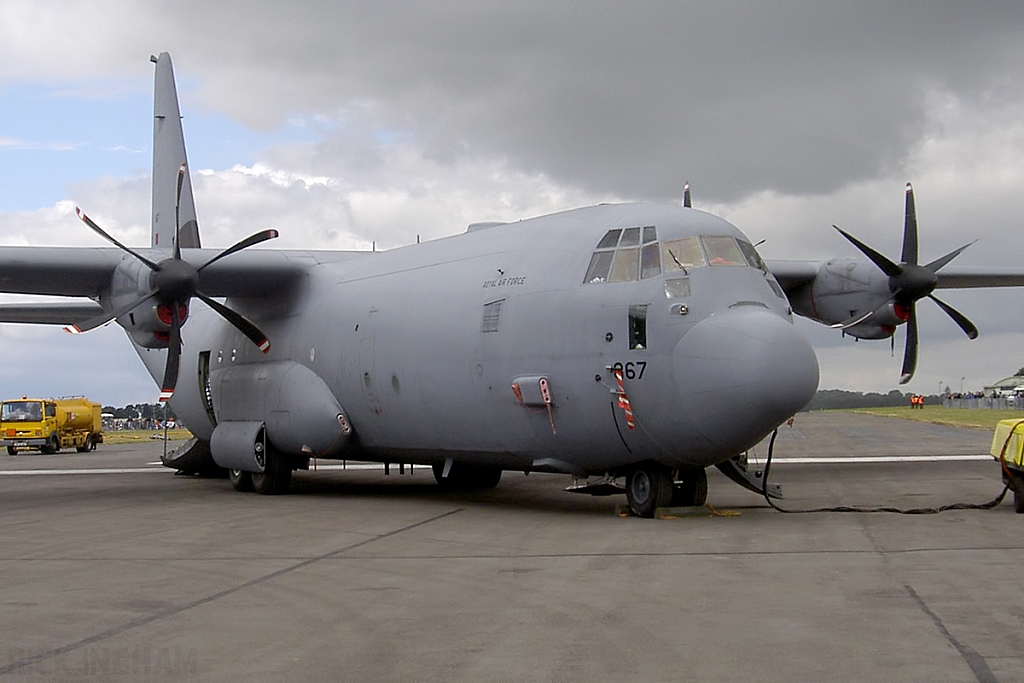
(241, 481)
(648, 488)
(467, 477)
(276, 476)
(690, 488)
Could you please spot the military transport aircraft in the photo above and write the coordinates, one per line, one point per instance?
(629, 342)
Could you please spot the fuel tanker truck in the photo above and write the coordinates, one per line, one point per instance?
(49, 424)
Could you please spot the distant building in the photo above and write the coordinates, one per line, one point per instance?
(1005, 386)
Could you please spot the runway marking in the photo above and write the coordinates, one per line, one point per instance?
(829, 460)
(98, 470)
(879, 459)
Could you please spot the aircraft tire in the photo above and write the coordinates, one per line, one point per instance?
(241, 481)
(691, 489)
(276, 477)
(467, 477)
(11, 450)
(648, 488)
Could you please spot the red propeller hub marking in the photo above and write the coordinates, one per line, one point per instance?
(902, 310)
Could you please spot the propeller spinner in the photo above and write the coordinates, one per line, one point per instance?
(173, 282)
(908, 283)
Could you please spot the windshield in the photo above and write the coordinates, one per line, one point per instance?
(21, 411)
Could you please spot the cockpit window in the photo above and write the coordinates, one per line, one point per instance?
(624, 268)
(619, 258)
(682, 254)
(600, 263)
(750, 253)
(610, 239)
(630, 237)
(650, 261)
(722, 251)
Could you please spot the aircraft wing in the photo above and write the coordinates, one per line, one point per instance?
(792, 275)
(88, 272)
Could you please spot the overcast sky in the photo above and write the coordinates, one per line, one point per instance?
(344, 123)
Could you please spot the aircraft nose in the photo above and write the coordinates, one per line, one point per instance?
(741, 372)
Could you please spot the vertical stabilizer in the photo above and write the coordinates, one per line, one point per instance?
(168, 157)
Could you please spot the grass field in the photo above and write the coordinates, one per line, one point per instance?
(957, 417)
(134, 436)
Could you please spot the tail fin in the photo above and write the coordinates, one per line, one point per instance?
(168, 157)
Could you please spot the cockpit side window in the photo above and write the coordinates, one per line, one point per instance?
(750, 253)
(722, 251)
(618, 257)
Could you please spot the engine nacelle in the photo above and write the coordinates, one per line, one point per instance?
(149, 323)
(845, 288)
(301, 414)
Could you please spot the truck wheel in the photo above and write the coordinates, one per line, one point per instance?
(11, 450)
(51, 446)
(87, 446)
(1018, 496)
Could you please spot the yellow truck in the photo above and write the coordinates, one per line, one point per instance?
(49, 424)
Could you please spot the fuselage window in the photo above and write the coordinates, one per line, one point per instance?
(638, 326)
(650, 261)
(624, 267)
(722, 251)
(681, 255)
(492, 315)
(677, 288)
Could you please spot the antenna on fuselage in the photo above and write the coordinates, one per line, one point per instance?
(686, 197)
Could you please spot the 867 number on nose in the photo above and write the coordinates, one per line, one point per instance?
(632, 369)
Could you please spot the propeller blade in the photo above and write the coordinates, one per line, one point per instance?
(686, 196)
(884, 264)
(243, 244)
(940, 262)
(173, 356)
(910, 349)
(959, 318)
(861, 317)
(241, 323)
(909, 253)
(104, 318)
(102, 233)
(177, 211)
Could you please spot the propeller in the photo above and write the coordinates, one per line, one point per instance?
(908, 283)
(173, 282)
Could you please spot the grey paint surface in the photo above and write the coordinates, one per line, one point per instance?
(366, 577)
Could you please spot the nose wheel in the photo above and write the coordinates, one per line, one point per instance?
(648, 488)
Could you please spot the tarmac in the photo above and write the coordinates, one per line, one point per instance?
(112, 568)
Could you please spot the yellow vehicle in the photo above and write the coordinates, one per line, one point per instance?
(49, 424)
(1008, 448)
